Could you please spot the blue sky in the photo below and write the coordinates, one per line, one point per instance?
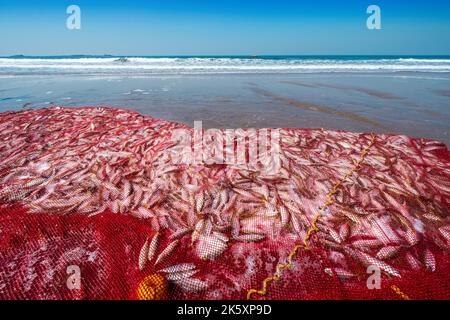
(219, 27)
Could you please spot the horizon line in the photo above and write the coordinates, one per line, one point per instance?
(231, 55)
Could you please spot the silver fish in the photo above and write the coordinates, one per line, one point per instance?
(143, 255)
(166, 252)
(192, 285)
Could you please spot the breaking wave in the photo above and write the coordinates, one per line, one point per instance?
(195, 65)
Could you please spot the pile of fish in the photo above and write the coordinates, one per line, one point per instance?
(389, 212)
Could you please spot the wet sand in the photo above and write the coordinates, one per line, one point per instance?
(444, 93)
(370, 92)
(314, 107)
(417, 105)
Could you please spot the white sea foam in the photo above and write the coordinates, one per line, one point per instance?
(137, 65)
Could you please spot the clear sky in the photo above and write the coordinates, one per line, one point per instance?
(225, 27)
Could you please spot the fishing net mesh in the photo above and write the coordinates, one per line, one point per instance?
(94, 206)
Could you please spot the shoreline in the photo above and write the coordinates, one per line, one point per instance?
(245, 73)
(414, 105)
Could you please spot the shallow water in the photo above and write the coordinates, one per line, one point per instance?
(416, 104)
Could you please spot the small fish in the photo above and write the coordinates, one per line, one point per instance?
(178, 268)
(411, 237)
(166, 252)
(343, 274)
(144, 213)
(220, 236)
(249, 237)
(235, 225)
(388, 252)
(429, 260)
(143, 255)
(180, 233)
(344, 231)
(271, 210)
(296, 224)
(284, 214)
(334, 235)
(178, 276)
(199, 226)
(368, 243)
(412, 261)
(210, 247)
(153, 247)
(367, 260)
(246, 194)
(192, 285)
(445, 231)
(200, 201)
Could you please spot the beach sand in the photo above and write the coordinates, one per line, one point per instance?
(414, 104)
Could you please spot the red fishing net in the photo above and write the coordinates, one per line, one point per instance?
(93, 205)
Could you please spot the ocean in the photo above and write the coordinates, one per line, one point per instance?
(385, 94)
(18, 65)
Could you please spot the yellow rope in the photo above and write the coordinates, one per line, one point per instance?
(400, 293)
(313, 229)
